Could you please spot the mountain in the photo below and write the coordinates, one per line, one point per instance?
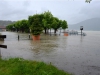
(89, 24)
(5, 23)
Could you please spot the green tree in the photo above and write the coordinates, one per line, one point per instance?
(17, 25)
(24, 26)
(64, 25)
(47, 20)
(56, 24)
(36, 27)
(30, 20)
(38, 22)
(10, 27)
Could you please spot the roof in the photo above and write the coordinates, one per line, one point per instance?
(3, 27)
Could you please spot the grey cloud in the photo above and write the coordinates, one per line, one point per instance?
(86, 11)
(92, 10)
(13, 10)
(26, 3)
(72, 11)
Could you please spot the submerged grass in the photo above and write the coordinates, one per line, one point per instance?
(18, 66)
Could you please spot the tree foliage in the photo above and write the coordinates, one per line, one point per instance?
(47, 20)
(39, 22)
(88, 1)
(36, 27)
(64, 24)
(21, 26)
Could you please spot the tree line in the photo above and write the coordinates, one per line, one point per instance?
(46, 21)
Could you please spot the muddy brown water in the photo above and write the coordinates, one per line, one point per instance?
(79, 55)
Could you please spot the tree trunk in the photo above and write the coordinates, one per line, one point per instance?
(55, 31)
(45, 30)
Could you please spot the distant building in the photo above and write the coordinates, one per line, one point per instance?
(2, 28)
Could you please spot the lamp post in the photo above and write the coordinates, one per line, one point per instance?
(60, 30)
(49, 28)
(81, 28)
(29, 33)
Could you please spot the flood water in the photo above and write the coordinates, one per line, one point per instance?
(79, 55)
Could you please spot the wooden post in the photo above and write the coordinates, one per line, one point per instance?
(29, 36)
(18, 36)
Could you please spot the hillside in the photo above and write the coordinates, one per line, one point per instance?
(89, 24)
(5, 23)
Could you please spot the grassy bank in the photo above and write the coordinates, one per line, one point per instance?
(18, 66)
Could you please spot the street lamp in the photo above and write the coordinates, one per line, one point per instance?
(49, 28)
(81, 28)
(60, 30)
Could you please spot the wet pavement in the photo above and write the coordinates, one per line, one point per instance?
(79, 55)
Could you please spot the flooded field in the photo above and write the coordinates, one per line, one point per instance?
(79, 55)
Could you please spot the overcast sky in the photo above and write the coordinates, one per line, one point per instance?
(69, 10)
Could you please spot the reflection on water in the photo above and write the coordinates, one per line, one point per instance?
(76, 54)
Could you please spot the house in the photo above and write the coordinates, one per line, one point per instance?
(2, 28)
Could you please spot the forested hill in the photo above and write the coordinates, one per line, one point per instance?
(89, 24)
(5, 23)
